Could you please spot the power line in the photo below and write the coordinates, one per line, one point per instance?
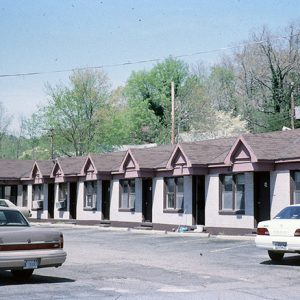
(147, 60)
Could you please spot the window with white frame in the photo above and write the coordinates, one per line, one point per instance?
(63, 192)
(232, 189)
(90, 199)
(295, 191)
(37, 192)
(174, 193)
(127, 200)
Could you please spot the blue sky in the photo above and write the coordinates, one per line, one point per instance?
(43, 36)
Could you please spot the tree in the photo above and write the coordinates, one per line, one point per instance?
(73, 111)
(150, 93)
(221, 87)
(265, 71)
(4, 123)
(33, 131)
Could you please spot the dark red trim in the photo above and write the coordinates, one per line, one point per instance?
(29, 246)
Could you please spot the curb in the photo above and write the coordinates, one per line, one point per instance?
(123, 229)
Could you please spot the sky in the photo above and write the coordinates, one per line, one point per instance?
(52, 35)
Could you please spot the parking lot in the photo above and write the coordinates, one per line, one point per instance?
(119, 264)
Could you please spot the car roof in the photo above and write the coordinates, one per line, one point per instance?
(8, 208)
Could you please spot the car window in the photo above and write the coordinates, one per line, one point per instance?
(3, 203)
(12, 218)
(292, 212)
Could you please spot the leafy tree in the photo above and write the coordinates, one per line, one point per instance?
(149, 99)
(73, 111)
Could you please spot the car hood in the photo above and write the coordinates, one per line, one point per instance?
(27, 235)
(281, 227)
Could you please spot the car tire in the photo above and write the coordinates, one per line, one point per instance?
(21, 275)
(275, 255)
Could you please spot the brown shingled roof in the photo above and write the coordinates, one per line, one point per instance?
(71, 165)
(154, 157)
(45, 166)
(275, 145)
(15, 169)
(106, 162)
(208, 151)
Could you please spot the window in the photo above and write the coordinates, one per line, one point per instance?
(127, 201)
(90, 199)
(174, 196)
(37, 192)
(63, 192)
(232, 193)
(9, 192)
(295, 191)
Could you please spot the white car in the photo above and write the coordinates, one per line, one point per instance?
(281, 234)
(24, 210)
(24, 248)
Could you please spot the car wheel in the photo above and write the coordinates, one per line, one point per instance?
(22, 274)
(276, 256)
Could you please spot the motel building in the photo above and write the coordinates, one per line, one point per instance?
(223, 186)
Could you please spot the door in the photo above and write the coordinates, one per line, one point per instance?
(106, 199)
(261, 197)
(147, 200)
(73, 200)
(199, 200)
(50, 200)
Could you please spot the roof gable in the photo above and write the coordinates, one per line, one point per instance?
(57, 170)
(240, 152)
(88, 167)
(36, 172)
(129, 162)
(178, 158)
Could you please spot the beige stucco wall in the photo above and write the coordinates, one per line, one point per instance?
(158, 215)
(212, 216)
(280, 191)
(88, 214)
(115, 214)
(61, 214)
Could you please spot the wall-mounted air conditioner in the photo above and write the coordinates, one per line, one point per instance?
(37, 204)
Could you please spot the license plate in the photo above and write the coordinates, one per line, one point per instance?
(31, 264)
(280, 245)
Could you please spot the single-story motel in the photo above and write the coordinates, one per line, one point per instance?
(227, 185)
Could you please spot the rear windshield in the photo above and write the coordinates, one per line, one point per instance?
(292, 212)
(12, 218)
(3, 203)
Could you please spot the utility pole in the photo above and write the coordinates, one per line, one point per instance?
(173, 114)
(292, 106)
(51, 134)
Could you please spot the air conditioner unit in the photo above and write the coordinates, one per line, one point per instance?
(37, 204)
(61, 204)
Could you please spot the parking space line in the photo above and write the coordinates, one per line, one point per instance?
(230, 248)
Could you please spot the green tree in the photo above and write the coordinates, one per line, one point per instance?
(149, 99)
(73, 111)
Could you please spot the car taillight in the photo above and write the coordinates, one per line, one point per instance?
(61, 241)
(297, 232)
(262, 231)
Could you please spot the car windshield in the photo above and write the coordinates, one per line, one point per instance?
(291, 212)
(12, 218)
(3, 203)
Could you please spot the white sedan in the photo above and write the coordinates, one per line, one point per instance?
(24, 210)
(24, 248)
(281, 234)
